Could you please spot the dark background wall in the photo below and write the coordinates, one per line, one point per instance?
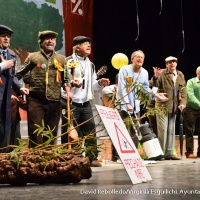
(160, 35)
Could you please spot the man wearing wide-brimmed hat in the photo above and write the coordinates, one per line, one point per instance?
(46, 68)
(7, 83)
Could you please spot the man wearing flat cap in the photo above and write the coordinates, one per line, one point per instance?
(47, 76)
(172, 82)
(84, 82)
(7, 82)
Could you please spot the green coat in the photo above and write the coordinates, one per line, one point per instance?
(43, 82)
(176, 94)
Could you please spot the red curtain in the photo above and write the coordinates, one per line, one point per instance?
(78, 20)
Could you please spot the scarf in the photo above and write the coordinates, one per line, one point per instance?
(79, 73)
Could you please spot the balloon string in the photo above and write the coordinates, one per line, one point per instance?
(160, 7)
(183, 34)
(137, 22)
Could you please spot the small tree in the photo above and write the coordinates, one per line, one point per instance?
(26, 20)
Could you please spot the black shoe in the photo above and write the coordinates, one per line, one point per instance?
(157, 158)
(160, 158)
(115, 158)
(171, 157)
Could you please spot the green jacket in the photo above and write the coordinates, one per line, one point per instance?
(193, 94)
(176, 94)
(46, 79)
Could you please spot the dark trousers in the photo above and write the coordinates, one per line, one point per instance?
(46, 110)
(15, 123)
(153, 123)
(191, 125)
(4, 137)
(81, 113)
(125, 117)
(15, 133)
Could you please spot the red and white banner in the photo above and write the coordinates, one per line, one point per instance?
(78, 20)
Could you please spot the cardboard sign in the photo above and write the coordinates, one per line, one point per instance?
(124, 145)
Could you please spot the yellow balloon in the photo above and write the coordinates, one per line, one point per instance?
(118, 60)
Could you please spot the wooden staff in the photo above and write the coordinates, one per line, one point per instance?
(69, 122)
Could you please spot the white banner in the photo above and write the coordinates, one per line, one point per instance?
(124, 145)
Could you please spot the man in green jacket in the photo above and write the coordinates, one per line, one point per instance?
(47, 76)
(172, 82)
(192, 114)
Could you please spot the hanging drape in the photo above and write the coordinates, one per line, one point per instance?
(78, 20)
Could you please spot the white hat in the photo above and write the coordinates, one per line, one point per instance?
(171, 58)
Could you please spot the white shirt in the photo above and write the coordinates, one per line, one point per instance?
(80, 94)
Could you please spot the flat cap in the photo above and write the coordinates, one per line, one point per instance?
(171, 58)
(5, 29)
(80, 39)
(43, 34)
